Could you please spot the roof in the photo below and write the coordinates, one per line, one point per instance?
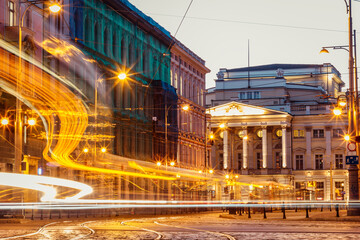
(135, 14)
(274, 66)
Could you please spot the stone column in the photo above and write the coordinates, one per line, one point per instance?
(226, 148)
(308, 163)
(284, 146)
(264, 146)
(245, 148)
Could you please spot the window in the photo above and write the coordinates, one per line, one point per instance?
(338, 161)
(239, 161)
(337, 133)
(318, 133)
(249, 95)
(259, 133)
(319, 162)
(221, 161)
(11, 13)
(299, 162)
(258, 160)
(278, 132)
(242, 95)
(278, 159)
(319, 191)
(339, 190)
(299, 133)
(257, 95)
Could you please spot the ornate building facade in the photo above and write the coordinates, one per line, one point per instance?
(188, 76)
(278, 125)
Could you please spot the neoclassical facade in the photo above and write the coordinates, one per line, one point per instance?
(275, 122)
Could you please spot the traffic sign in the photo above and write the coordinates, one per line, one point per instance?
(352, 160)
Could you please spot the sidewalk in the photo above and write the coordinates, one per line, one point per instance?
(300, 215)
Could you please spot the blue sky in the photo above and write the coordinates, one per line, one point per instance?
(279, 31)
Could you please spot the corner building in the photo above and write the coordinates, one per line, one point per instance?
(278, 125)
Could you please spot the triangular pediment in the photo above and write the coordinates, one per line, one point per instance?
(241, 109)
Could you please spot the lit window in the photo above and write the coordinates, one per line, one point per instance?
(299, 133)
(11, 13)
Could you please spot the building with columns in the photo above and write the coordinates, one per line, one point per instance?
(278, 125)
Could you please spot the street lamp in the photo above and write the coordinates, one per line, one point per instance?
(352, 113)
(18, 138)
(184, 108)
(121, 76)
(4, 121)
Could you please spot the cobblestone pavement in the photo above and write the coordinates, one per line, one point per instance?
(195, 226)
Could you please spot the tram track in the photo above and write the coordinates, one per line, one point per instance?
(229, 237)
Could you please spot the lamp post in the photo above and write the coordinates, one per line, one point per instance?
(121, 76)
(18, 138)
(352, 114)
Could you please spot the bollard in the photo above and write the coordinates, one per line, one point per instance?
(321, 208)
(307, 211)
(249, 214)
(32, 214)
(264, 213)
(330, 207)
(283, 210)
(59, 214)
(295, 208)
(50, 214)
(337, 210)
(41, 214)
(240, 212)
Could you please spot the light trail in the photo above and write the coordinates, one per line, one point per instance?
(54, 101)
(42, 184)
(111, 204)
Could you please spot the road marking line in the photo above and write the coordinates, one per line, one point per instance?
(31, 234)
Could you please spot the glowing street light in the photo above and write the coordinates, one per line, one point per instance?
(122, 76)
(86, 150)
(347, 137)
(211, 136)
(200, 171)
(236, 176)
(245, 137)
(55, 7)
(337, 111)
(222, 125)
(227, 176)
(103, 150)
(172, 164)
(185, 108)
(342, 104)
(158, 164)
(211, 171)
(4, 121)
(32, 122)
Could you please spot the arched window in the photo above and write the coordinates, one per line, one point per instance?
(97, 34)
(77, 24)
(87, 32)
(145, 61)
(123, 51)
(131, 54)
(114, 45)
(106, 42)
